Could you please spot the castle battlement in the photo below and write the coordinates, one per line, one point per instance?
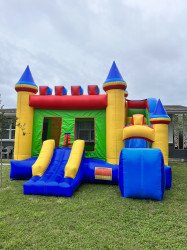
(75, 90)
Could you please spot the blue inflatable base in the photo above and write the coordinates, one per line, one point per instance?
(90, 166)
(21, 170)
(141, 174)
(168, 177)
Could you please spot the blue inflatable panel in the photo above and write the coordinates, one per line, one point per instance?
(168, 177)
(141, 174)
(52, 182)
(152, 102)
(21, 170)
(136, 143)
(91, 166)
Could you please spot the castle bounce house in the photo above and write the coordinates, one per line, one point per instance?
(64, 140)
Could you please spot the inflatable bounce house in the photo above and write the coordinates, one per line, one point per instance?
(96, 138)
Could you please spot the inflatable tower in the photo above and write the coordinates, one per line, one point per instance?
(24, 115)
(160, 121)
(115, 87)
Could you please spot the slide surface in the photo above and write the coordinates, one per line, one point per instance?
(53, 182)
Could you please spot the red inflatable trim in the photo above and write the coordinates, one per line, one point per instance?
(27, 89)
(160, 122)
(43, 90)
(114, 86)
(82, 102)
(142, 104)
(76, 90)
(103, 171)
(59, 90)
(93, 90)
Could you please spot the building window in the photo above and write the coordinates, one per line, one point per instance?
(8, 131)
(85, 130)
(180, 131)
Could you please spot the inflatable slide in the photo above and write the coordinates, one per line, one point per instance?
(56, 171)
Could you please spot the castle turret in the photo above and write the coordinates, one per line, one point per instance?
(24, 115)
(115, 114)
(160, 121)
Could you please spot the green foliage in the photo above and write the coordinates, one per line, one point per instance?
(96, 217)
(3, 119)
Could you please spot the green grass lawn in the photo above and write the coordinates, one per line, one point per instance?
(96, 217)
(5, 160)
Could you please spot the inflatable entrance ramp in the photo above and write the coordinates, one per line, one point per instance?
(63, 174)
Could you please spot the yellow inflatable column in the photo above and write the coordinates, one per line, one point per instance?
(24, 116)
(115, 114)
(160, 121)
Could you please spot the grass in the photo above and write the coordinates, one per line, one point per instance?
(96, 217)
(5, 160)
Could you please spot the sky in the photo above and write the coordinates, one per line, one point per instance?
(74, 42)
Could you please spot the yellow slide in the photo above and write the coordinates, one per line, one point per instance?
(74, 160)
(44, 158)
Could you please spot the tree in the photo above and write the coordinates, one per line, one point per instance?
(3, 121)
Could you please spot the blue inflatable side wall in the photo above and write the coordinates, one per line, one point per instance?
(141, 174)
(90, 171)
(21, 170)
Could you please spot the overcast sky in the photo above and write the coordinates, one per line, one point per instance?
(70, 42)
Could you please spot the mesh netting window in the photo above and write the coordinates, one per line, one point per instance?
(85, 130)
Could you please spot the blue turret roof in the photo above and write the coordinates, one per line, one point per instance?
(160, 111)
(27, 78)
(114, 74)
